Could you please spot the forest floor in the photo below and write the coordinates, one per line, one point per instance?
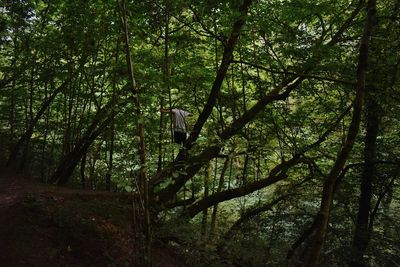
(41, 225)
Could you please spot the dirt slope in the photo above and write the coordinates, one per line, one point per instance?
(47, 226)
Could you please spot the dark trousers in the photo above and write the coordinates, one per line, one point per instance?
(179, 138)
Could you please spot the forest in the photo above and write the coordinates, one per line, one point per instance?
(292, 156)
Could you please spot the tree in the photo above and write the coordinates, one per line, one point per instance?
(276, 92)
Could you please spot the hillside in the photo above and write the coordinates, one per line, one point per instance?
(46, 226)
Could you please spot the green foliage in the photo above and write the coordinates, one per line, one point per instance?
(176, 48)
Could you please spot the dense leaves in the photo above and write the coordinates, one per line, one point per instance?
(271, 85)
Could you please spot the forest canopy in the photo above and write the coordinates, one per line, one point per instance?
(292, 153)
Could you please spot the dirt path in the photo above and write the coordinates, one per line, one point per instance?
(38, 229)
(43, 225)
(13, 188)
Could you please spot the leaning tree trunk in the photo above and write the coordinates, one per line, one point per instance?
(226, 60)
(221, 73)
(23, 142)
(281, 92)
(25, 138)
(72, 159)
(312, 252)
(67, 165)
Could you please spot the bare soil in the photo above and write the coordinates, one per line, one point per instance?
(42, 225)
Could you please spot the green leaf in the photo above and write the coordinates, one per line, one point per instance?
(128, 188)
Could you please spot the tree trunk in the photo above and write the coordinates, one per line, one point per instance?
(219, 189)
(71, 160)
(25, 138)
(111, 134)
(279, 93)
(312, 252)
(143, 182)
(207, 177)
(166, 85)
(194, 163)
(362, 232)
(250, 213)
(222, 70)
(276, 175)
(82, 171)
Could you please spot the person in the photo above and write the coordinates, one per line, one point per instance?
(179, 123)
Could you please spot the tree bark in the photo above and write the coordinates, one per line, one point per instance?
(229, 46)
(227, 57)
(25, 138)
(362, 233)
(219, 189)
(311, 255)
(197, 161)
(82, 172)
(276, 175)
(67, 165)
(111, 134)
(166, 85)
(192, 164)
(207, 177)
(143, 182)
(247, 215)
(71, 160)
